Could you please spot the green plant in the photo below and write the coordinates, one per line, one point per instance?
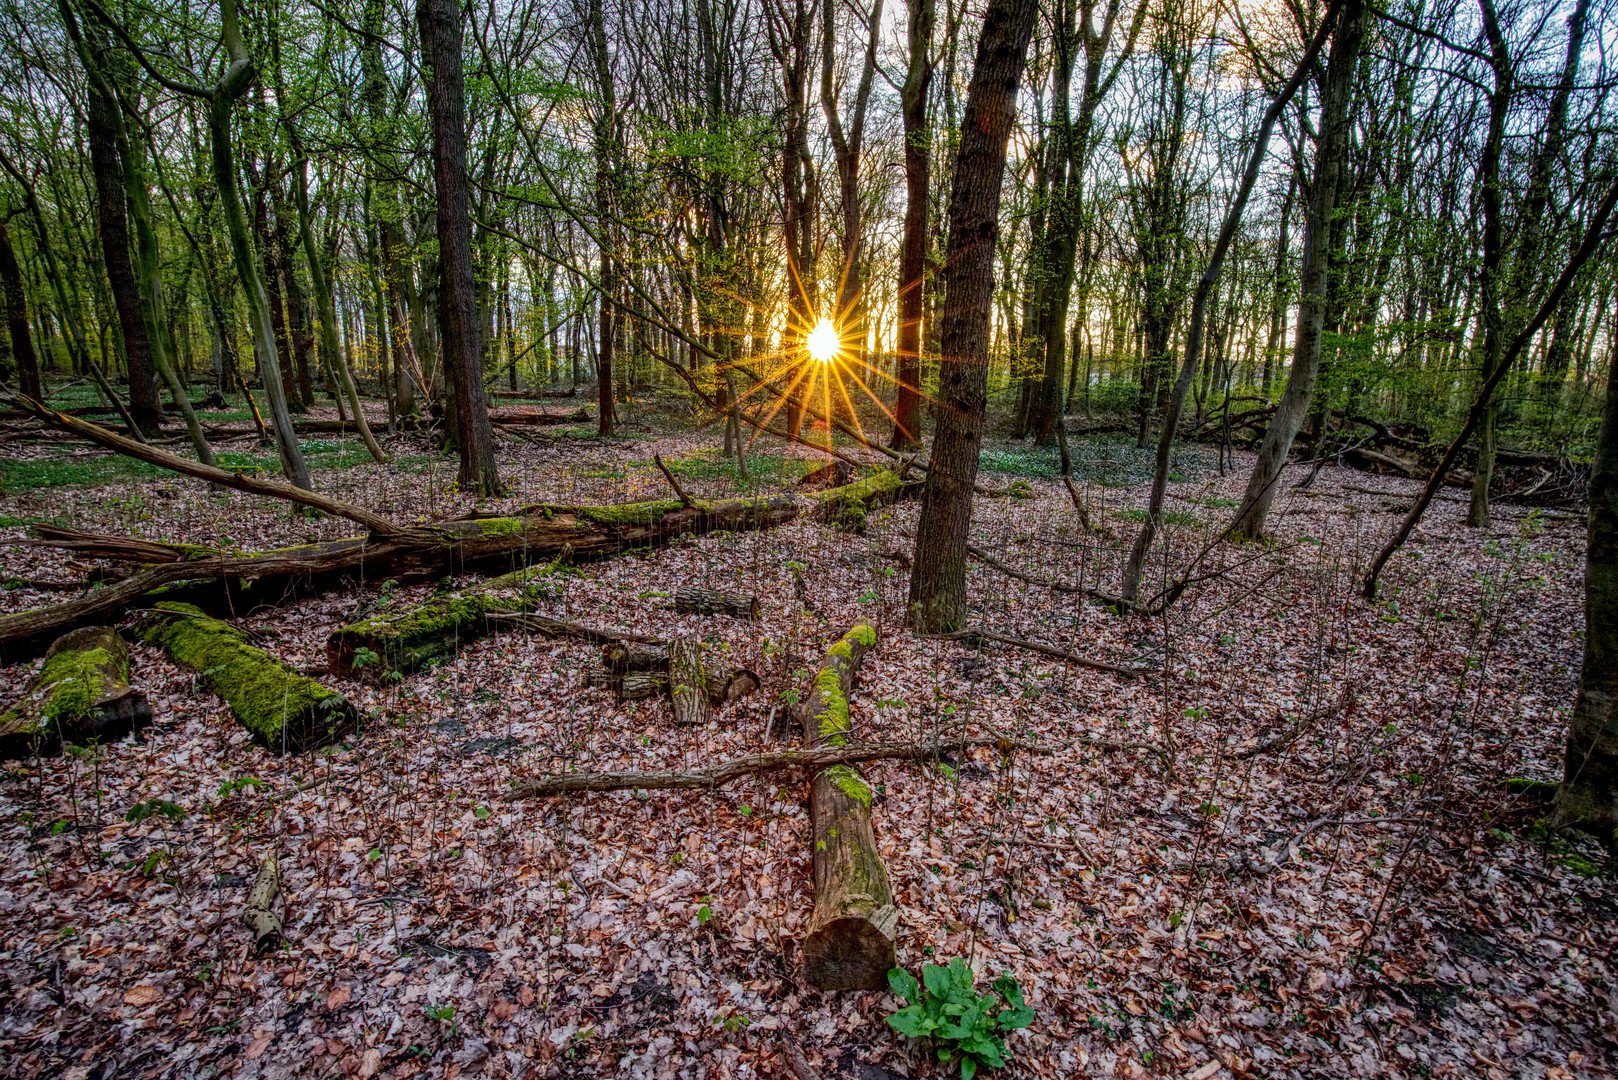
(143, 810)
(963, 1026)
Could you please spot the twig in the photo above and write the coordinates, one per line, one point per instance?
(544, 624)
(976, 632)
(1288, 736)
(748, 764)
(1057, 586)
(685, 500)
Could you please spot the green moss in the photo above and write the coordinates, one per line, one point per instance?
(626, 515)
(833, 725)
(280, 708)
(841, 648)
(493, 527)
(864, 633)
(850, 783)
(78, 681)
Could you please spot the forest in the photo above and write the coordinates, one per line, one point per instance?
(811, 539)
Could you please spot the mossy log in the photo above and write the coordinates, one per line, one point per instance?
(689, 601)
(849, 944)
(82, 693)
(722, 682)
(282, 710)
(688, 686)
(846, 507)
(408, 640)
(424, 553)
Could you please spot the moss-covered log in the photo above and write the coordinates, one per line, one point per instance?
(81, 694)
(408, 640)
(424, 553)
(849, 945)
(846, 507)
(282, 710)
(689, 601)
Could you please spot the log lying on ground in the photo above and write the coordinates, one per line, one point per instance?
(722, 682)
(423, 553)
(624, 656)
(628, 686)
(283, 711)
(257, 913)
(688, 601)
(752, 764)
(81, 694)
(849, 944)
(847, 507)
(406, 641)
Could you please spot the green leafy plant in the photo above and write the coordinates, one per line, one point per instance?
(143, 810)
(962, 1025)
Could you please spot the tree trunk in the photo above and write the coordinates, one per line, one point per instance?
(1300, 388)
(849, 942)
(913, 250)
(689, 601)
(81, 695)
(938, 580)
(439, 22)
(688, 683)
(22, 342)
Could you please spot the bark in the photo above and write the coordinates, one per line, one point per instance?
(1588, 795)
(81, 695)
(281, 710)
(630, 686)
(606, 121)
(257, 915)
(913, 250)
(938, 580)
(439, 22)
(849, 941)
(1300, 389)
(692, 601)
(22, 342)
(620, 657)
(688, 683)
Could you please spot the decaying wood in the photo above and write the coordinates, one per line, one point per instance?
(257, 913)
(849, 942)
(685, 500)
(81, 694)
(978, 633)
(406, 641)
(713, 776)
(628, 686)
(282, 710)
(553, 627)
(689, 601)
(688, 685)
(622, 656)
(277, 489)
(24, 634)
(724, 683)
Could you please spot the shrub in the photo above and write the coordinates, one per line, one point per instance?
(962, 1025)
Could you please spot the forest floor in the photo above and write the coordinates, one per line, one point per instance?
(1359, 900)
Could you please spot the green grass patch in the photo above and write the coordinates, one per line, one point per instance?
(1215, 502)
(761, 468)
(99, 470)
(1167, 517)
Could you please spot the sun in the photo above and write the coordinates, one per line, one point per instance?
(823, 343)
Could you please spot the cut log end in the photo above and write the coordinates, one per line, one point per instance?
(852, 952)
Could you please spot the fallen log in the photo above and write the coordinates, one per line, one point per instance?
(257, 914)
(423, 553)
(713, 776)
(689, 601)
(625, 656)
(628, 686)
(849, 943)
(550, 627)
(978, 634)
(406, 641)
(283, 711)
(848, 506)
(688, 685)
(81, 694)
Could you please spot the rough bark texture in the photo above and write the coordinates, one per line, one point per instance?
(633, 686)
(22, 342)
(690, 601)
(849, 943)
(622, 656)
(406, 641)
(81, 693)
(462, 349)
(257, 915)
(1588, 795)
(938, 582)
(913, 252)
(688, 684)
(283, 711)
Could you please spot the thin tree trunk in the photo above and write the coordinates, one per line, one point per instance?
(913, 251)
(22, 343)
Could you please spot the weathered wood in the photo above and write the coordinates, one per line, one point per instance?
(552, 627)
(408, 640)
(283, 711)
(630, 686)
(688, 686)
(847, 507)
(712, 776)
(81, 694)
(423, 553)
(849, 943)
(727, 684)
(622, 656)
(691, 601)
(257, 913)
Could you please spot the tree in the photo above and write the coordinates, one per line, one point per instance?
(918, 153)
(22, 342)
(1300, 387)
(439, 22)
(938, 578)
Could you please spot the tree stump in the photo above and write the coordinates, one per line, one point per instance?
(849, 944)
(688, 687)
(283, 711)
(81, 693)
(689, 601)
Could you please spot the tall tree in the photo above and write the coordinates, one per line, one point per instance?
(918, 154)
(938, 577)
(439, 23)
(22, 342)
